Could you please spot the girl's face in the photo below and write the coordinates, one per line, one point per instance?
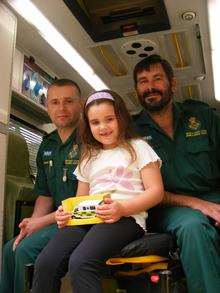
(104, 124)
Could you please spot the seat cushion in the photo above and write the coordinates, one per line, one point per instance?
(150, 244)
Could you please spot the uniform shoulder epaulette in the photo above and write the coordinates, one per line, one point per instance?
(193, 103)
(48, 135)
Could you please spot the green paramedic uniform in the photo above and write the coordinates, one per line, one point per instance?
(56, 162)
(191, 166)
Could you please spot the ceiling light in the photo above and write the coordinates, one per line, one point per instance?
(51, 35)
(213, 9)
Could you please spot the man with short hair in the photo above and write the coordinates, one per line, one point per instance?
(187, 138)
(56, 161)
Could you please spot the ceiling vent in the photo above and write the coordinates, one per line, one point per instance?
(106, 20)
(139, 48)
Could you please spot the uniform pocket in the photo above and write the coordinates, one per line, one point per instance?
(198, 145)
(51, 177)
(202, 155)
(49, 169)
(70, 172)
(72, 182)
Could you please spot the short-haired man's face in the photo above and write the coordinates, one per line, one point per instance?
(63, 105)
(154, 89)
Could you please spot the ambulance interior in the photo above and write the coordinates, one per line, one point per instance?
(97, 43)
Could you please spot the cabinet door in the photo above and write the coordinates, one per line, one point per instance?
(8, 25)
(7, 44)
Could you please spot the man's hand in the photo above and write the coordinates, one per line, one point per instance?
(209, 209)
(33, 225)
(27, 227)
(18, 239)
(42, 217)
(110, 211)
(62, 217)
(23, 223)
(23, 233)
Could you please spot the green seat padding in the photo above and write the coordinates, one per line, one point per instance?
(19, 185)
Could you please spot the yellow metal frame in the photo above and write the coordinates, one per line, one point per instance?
(181, 63)
(148, 264)
(149, 268)
(135, 260)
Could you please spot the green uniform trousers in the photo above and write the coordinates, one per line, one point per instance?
(13, 269)
(199, 243)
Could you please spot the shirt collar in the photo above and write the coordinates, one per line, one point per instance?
(177, 110)
(145, 119)
(177, 114)
(55, 137)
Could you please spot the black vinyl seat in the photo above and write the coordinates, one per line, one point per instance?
(153, 252)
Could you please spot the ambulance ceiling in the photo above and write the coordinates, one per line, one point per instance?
(106, 20)
(180, 34)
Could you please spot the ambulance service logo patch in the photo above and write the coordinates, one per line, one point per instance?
(194, 127)
(194, 124)
(72, 158)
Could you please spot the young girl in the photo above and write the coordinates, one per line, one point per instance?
(112, 159)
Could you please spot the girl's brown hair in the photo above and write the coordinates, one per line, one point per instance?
(90, 146)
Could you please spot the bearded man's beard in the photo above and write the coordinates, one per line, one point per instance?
(152, 105)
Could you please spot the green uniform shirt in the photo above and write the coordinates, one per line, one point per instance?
(56, 162)
(191, 160)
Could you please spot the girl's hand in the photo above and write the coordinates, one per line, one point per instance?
(110, 211)
(62, 217)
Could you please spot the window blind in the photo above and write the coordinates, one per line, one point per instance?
(33, 138)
